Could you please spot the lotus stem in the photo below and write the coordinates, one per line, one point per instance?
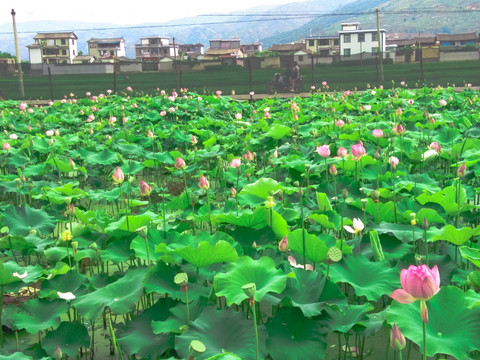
(254, 314)
(1, 313)
(424, 357)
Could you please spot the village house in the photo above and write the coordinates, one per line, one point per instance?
(106, 48)
(287, 49)
(53, 48)
(353, 40)
(466, 39)
(153, 48)
(322, 45)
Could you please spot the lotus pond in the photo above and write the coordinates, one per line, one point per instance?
(187, 227)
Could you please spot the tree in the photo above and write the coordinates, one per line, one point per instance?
(5, 55)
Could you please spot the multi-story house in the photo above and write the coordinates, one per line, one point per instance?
(189, 49)
(222, 44)
(353, 40)
(155, 48)
(106, 48)
(53, 48)
(251, 47)
(322, 45)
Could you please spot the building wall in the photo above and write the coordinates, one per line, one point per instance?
(271, 62)
(357, 47)
(35, 56)
(459, 55)
(78, 69)
(131, 67)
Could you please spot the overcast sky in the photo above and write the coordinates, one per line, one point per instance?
(121, 12)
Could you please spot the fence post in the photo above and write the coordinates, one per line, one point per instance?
(421, 62)
(250, 71)
(50, 82)
(313, 77)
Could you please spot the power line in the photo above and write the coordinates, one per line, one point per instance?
(267, 18)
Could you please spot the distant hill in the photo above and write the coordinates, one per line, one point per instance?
(402, 18)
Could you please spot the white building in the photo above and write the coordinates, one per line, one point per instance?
(353, 40)
(53, 48)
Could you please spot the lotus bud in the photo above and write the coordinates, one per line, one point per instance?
(58, 353)
(345, 194)
(180, 163)
(425, 224)
(194, 140)
(203, 183)
(145, 189)
(462, 170)
(332, 170)
(397, 340)
(6, 146)
(118, 176)
(283, 245)
(74, 246)
(375, 194)
(233, 192)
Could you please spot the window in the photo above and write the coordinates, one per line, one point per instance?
(374, 50)
(324, 42)
(63, 42)
(73, 52)
(374, 37)
(346, 38)
(346, 52)
(73, 42)
(64, 52)
(300, 58)
(335, 42)
(361, 37)
(311, 43)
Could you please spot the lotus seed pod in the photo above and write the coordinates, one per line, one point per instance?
(249, 289)
(334, 254)
(181, 279)
(196, 348)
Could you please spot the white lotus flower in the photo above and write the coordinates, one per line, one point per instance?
(357, 227)
(65, 296)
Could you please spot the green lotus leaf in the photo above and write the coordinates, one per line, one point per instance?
(404, 233)
(159, 279)
(430, 215)
(447, 199)
(292, 336)
(205, 254)
(137, 336)
(121, 296)
(222, 331)
(6, 276)
(369, 279)
(23, 220)
(69, 282)
(457, 236)
(244, 271)
(471, 254)
(104, 157)
(34, 272)
(130, 223)
(225, 356)
(310, 291)
(446, 311)
(69, 337)
(117, 250)
(323, 202)
(40, 314)
(278, 131)
(256, 193)
(315, 248)
(15, 356)
(179, 318)
(342, 320)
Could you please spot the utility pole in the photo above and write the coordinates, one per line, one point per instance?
(19, 64)
(380, 48)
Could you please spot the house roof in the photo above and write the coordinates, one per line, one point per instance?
(361, 31)
(84, 57)
(313, 37)
(107, 41)
(219, 52)
(288, 47)
(401, 42)
(426, 40)
(457, 37)
(59, 35)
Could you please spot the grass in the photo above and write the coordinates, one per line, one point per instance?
(338, 76)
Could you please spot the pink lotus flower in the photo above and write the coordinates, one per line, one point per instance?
(88, 93)
(410, 101)
(235, 163)
(418, 283)
(323, 151)
(397, 340)
(469, 85)
(267, 115)
(71, 163)
(180, 163)
(203, 183)
(163, 113)
(312, 87)
(249, 156)
(294, 107)
(30, 111)
(145, 189)
(129, 88)
(149, 134)
(118, 176)
(13, 136)
(342, 152)
(324, 83)
(435, 146)
(49, 133)
(194, 140)
(393, 161)
(293, 263)
(398, 129)
(283, 245)
(162, 92)
(112, 120)
(358, 150)
(238, 116)
(402, 83)
(171, 98)
(22, 106)
(218, 93)
(171, 109)
(378, 133)
(252, 93)
(442, 102)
